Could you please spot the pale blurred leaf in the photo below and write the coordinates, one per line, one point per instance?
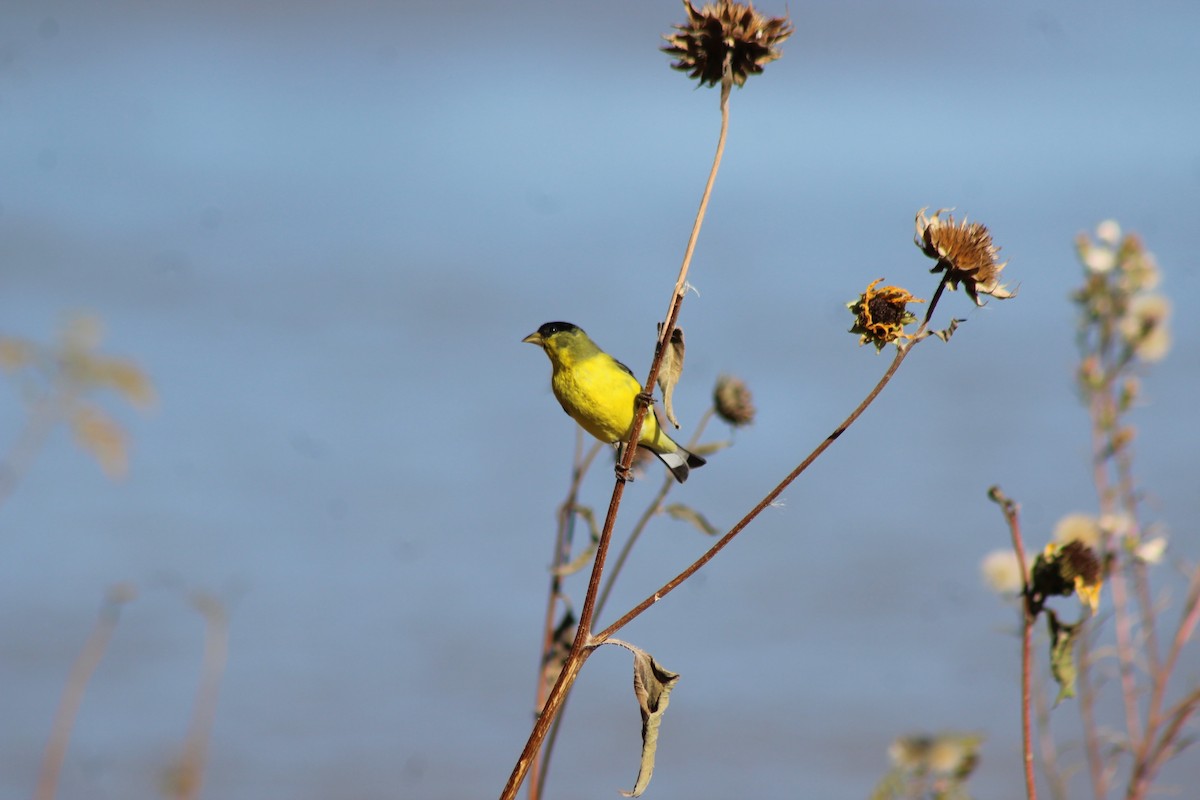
(1062, 655)
(102, 437)
(708, 448)
(584, 558)
(688, 514)
(126, 378)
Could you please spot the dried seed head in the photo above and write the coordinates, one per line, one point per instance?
(965, 250)
(722, 32)
(880, 315)
(1065, 569)
(732, 400)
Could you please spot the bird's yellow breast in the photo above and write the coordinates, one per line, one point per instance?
(600, 396)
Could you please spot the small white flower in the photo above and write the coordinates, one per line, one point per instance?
(1100, 259)
(1002, 572)
(1155, 346)
(1078, 527)
(1151, 551)
(1109, 232)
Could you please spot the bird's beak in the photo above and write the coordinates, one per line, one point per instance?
(535, 338)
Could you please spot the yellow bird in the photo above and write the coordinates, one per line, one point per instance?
(600, 393)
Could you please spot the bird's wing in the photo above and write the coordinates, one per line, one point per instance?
(627, 369)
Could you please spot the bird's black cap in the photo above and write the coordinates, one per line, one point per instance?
(551, 328)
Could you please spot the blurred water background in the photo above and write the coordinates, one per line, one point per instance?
(323, 229)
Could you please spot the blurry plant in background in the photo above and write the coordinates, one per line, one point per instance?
(61, 383)
(58, 384)
(1122, 329)
(930, 766)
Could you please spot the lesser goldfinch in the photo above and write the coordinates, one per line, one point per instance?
(599, 393)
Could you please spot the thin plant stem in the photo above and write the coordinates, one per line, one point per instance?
(1026, 732)
(1087, 714)
(1029, 612)
(580, 649)
(1149, 751)
(1166, 744)
(189, 774)
(81, 674)
(1141, 589)
(1046, 745)
(1101, 408)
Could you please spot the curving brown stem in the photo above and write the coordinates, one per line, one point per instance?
(773, 495)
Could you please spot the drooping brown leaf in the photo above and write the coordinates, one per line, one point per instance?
(670, 370)
(688, 514)
(101, 436)
(946, 332)
(652, 686)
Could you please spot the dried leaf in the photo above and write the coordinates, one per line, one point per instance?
(652, 686)
(100, 435)
(689, 514)
(560, 648)
(584, 558)
(945, 335)
(1062, 655)
(126, 378)
(670, 370)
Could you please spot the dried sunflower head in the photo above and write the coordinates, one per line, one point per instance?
(726, 31)
(1071, 568)
(965, 250)
(880, 315)
(732, 400)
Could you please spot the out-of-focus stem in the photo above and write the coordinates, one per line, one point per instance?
(81, 674)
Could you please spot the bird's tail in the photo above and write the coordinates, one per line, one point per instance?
(680, 462)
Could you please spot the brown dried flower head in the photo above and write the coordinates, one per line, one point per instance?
(880, 315)
(732, 400)
(1070, 568)
(726, 31)
(965, 250)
